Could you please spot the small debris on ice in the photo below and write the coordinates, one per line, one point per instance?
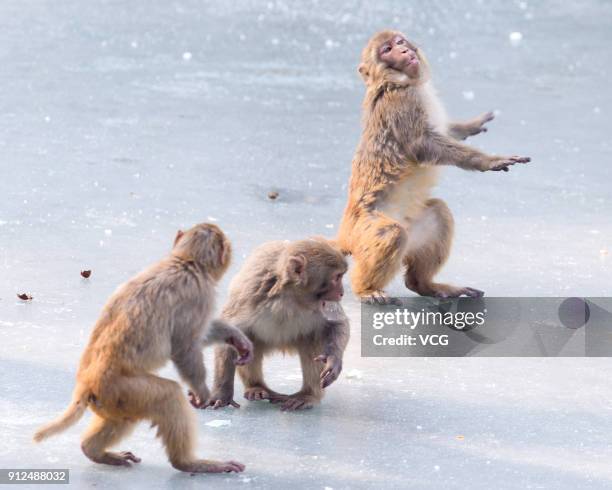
(468, 95)
(515, 38)
(460, 437)
(272, 195)
(25, 296)
(219, 423)
(354, 374)
(86, 274)
(187, 56)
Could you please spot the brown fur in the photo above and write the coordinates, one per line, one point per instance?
(390, 219)
(277, 301)
(160, 314)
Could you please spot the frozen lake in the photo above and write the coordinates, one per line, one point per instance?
(120, 124)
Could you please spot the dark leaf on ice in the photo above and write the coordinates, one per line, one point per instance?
(86, 274)
(24, 296)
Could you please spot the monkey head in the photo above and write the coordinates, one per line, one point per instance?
(390, 58)
(206, 245)
(313, 270)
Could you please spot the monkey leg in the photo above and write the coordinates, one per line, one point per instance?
(379, 244)
(255, 388)
(162, 402)
(104, 433)
(311, 392)
(429, 242)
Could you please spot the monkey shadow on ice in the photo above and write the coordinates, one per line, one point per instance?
(123, 122)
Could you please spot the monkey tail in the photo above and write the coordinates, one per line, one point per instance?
(71, 416)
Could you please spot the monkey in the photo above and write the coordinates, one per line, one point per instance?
(390, 221)
(161, 314)
(285, 298)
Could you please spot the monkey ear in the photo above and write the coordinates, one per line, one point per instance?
(179, 235)
(364, 71)
(296, 268)
(224, 254)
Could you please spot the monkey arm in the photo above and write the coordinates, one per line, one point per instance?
(462, 129)
(336, 335)
(437, 149)
(220, 332)
(189, 362)
(223, 385)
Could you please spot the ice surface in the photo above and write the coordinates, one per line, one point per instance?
(105, 125)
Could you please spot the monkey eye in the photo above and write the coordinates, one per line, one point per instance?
(399, 41)
(385, 49)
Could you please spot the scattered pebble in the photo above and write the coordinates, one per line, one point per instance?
(86, 274)
(219, 423)
(272, 195)
(515, 38)
(25, 297)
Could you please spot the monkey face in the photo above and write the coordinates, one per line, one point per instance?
(332, 289)
(398, 53)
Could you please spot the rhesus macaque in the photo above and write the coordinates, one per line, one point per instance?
(279, 299)
(390, 219)
(160, 314)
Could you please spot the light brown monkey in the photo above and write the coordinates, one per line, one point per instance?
(160, 314)
(285, 298)
(390, 218)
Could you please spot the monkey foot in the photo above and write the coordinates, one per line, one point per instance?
(124, 458)
(206, 466)
(299, 402)
(379, 297)
(257, 393)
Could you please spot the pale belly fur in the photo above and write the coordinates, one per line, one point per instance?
(407, 199)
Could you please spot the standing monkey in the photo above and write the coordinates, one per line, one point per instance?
(160, 314)
(279, 300)
(390, 219)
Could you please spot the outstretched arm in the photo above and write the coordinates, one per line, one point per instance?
(434, 148)
(221, 332)
(460, 130)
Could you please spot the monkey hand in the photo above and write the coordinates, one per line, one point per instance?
(197, 401)
(477, 125)
(220, 400)
(331, 370)
(503, 163)
(243, 347)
